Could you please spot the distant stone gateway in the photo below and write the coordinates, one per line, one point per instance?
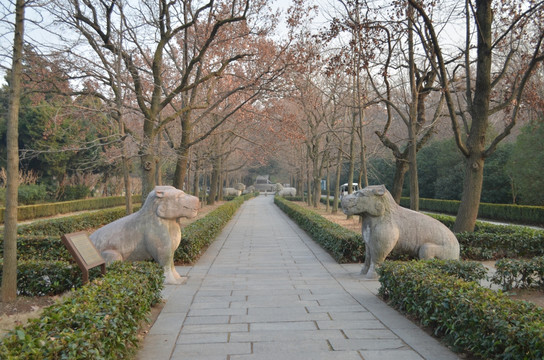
(388, 226)
(151, 233)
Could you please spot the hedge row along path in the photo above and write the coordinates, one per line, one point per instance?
(265, 290)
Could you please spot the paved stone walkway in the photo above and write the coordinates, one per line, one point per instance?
(264, 290)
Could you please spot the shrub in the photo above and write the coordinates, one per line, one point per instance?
(31, 194)
(469, 317)
(501, 242)
(506, 212)
(75, 192)
(98, 321)
(45, 278)
(512, 273)
(344, 245)
(492, 241)
(464, 270)
(42, 210)
(46, 248)
(74, 223)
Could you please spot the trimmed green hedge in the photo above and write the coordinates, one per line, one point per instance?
(522, 214)
(69, 224)
(28, 212)
(48, 277)
(467, 316)
(344, 245)
(98, 321)
(512, 273)
(41, 247)
(464, 270)
(492, 241)
(196, 236)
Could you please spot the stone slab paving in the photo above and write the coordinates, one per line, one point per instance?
(265, 290)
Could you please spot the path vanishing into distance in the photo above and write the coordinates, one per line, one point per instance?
(265, 290)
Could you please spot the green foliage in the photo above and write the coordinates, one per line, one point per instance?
(298, 198)
(464, 270)
(441, 171)
(522, 214)
(497, 185)
(41, 247)
(526, 165)
(38, 277)
(344, 245)
(512, 243)
(196, 236)
(50, 209)
(492, 241)
(71, 224)
(98, 321)
(513, 273)
(75, 192)
(465, 315)
(381, 171)
(31, 194)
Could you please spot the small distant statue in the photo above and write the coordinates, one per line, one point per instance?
(387, 226)
(231, 192)
(240, 186)
(151, 233)
(249, 190)
(287, 191)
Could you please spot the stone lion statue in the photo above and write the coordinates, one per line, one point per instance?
(240, 186)
(153, 232)
(287, 191)
(231, 192)
(388, 226)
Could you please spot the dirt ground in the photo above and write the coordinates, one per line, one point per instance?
(25, 308)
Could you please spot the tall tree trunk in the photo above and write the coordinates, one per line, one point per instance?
(401, 167)
(196, 179)
(126, 179)
(181, 168)
(158, 172)
(327, 205)
(9, 276)
(125, 166)
(363, 173)
(474, 163)
(149, 169)
(337, 187)
(412, 129)
(351, 171)
(183, 152)
(214, 182)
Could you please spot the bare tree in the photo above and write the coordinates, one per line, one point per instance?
(9, 274)
(149, 29)
(498, 83)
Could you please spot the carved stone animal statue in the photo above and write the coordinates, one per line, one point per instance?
(240, 186)
(288, 191)
(387, 226)
(153, 232)
(231, 192)
(278, 187)
(250, 189)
